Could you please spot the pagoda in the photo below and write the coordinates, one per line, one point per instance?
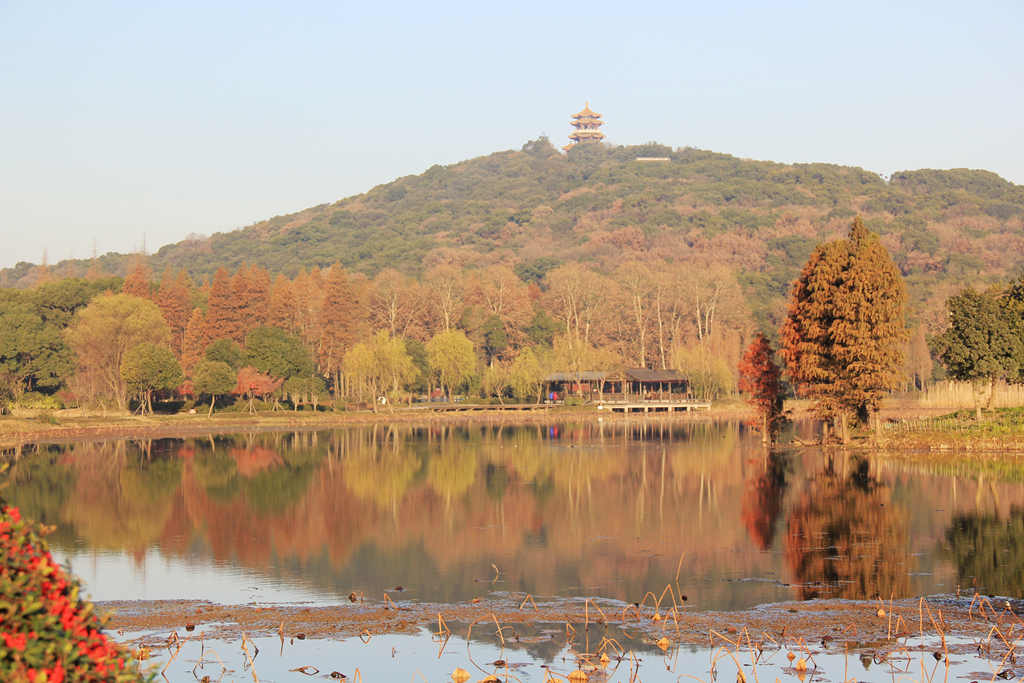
(586, 123)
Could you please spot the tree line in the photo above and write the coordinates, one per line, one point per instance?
(333, 335)
(496, 332)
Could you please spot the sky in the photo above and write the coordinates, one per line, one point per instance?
(129, 125)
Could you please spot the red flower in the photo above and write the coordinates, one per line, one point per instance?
(15, 642)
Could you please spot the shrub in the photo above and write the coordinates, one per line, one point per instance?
(32, 400)
(48, 634)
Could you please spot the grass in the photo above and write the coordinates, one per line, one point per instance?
(999, 430)
(955, 395)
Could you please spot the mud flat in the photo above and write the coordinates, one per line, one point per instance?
(515, 638)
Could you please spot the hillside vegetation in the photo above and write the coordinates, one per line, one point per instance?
(535, 208)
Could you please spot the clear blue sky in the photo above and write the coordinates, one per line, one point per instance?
(124, 121)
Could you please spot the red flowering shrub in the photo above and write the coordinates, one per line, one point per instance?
(48, 634)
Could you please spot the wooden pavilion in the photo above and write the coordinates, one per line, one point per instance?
(631, 384)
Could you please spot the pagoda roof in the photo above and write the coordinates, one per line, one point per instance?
(586, 111)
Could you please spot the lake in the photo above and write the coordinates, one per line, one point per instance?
(451, 513)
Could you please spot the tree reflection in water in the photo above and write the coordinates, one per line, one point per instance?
(589, 509)
(762, 499)
(845, 537)
(988, 552)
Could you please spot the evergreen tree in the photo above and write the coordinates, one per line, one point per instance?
(981, 343)
(276, 353)
(226, 351)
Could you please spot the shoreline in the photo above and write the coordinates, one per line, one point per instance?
(923, 437)
(23, 431)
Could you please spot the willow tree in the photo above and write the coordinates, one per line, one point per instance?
(844, 333)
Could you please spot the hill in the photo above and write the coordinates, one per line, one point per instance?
(598, 205)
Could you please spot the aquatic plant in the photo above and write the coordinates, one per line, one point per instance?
(48, 633)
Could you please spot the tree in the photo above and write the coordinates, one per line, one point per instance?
(138, 281)
(305, 390)
(526, 375)
(918, 364)
(445, 286)
(102, 333)
(495, 338)
(281, 306)
(175, 302)
(33, 354)
(149, 367)
(381, 366)
(213, 378)
(980, 344)
(496, 380)
(226, 351)
(542, 328)
(843, 337)
(223, 318)
(760, 379)
(451, 357)
(276, 353)
(341, 320)
(252, 383)
(194, 340)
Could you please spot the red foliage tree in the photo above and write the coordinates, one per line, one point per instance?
(252, 383)
(759, 379)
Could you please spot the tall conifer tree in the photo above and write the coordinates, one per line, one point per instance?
(137, 283)
(194, 341)
(175, 302)
(340, 323)
(844, 336)
(223, 320)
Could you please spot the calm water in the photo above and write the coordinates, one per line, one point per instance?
(560, 510)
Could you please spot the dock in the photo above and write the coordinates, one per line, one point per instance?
(652, 406)
(442, 407)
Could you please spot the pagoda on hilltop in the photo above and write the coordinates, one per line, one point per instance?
(586, 123)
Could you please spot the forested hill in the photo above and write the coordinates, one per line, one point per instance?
(600, 205)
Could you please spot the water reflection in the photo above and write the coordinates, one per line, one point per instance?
(845, 538)
(988, 551)
(570, 509)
